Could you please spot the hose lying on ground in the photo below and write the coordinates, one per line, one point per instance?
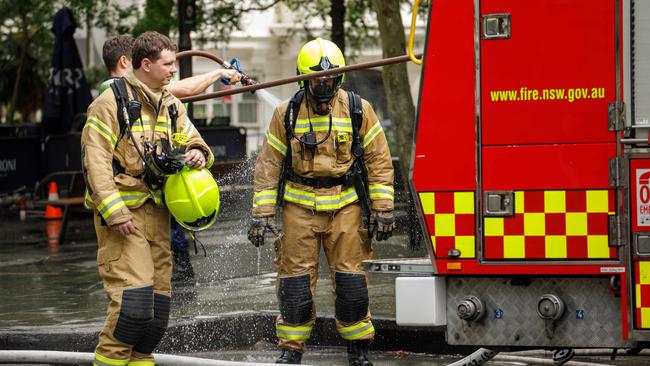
(477, 358)
(541, 361)
(483, 355)
(73, 358)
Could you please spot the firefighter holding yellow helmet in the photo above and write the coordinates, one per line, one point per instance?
(325, 159)
(138, 140)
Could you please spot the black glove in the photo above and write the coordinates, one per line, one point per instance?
(258, 227)
(384, 225)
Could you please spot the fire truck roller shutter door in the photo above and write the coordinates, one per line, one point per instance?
(296, 303)
(157, 327)
(351, 297)
(136, 313)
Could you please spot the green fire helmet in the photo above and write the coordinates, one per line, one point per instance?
(192, 197)
(318, 55)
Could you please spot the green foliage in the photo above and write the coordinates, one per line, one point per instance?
(157, 17)
(217, 19)
(358, 33)
(95, 75)
(24, 41)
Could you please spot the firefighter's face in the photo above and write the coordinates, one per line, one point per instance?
(164, 68)
(322, 89)
(322, 82)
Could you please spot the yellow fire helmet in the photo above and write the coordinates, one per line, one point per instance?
(318, 55)
(192, 197)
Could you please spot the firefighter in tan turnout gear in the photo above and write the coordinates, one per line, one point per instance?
(325, 159)
(137, 121)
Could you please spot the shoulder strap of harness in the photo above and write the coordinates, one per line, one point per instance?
(173, 116)
(356, 114)
(122, 99)
(358, 169)
(290, 116)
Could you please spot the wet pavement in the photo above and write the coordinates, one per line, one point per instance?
(60, 285)
(55, 289)
(52, 298)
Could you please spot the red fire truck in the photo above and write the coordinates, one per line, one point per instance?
(531, 175)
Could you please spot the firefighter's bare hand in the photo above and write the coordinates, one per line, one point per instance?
(125, 228)
(195, 159)
(233, 76)
(384, 225)
(258, 227)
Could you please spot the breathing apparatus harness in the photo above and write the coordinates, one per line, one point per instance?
(356, 176)
(156, 165)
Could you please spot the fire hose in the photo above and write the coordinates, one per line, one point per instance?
(251, 86)
(75, 358)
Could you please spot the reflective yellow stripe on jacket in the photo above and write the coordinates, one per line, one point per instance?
(372, 133)
(102, 128)
(163, 125)
(110, 204)
(301, 333)
(276, 143)
(380, 191)
(267, 197)
(320, 203)
(356, 331)
(322, 123)
(123, 198)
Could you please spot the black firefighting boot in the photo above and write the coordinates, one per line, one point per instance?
(358, 353)
(183, 270)
(289, 356)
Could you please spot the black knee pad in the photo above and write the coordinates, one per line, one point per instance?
(351, 297)
(157, 327)
(135, 314)
(296, 304)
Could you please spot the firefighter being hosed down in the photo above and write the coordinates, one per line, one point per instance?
(326, 162)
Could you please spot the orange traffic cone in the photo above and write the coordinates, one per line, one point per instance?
(53, 212)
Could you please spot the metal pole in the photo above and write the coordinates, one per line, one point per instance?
(185, 43)
(293, 79)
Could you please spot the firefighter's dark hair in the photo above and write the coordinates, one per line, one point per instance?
(150, 45)
(116, 47)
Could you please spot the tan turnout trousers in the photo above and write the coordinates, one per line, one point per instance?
(346, 244)
(139, 263)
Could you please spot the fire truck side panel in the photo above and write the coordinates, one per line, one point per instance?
(445, 154)
(546, 84)
(551, 81)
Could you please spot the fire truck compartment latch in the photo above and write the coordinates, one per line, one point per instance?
(496, 26)
(499, 203)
